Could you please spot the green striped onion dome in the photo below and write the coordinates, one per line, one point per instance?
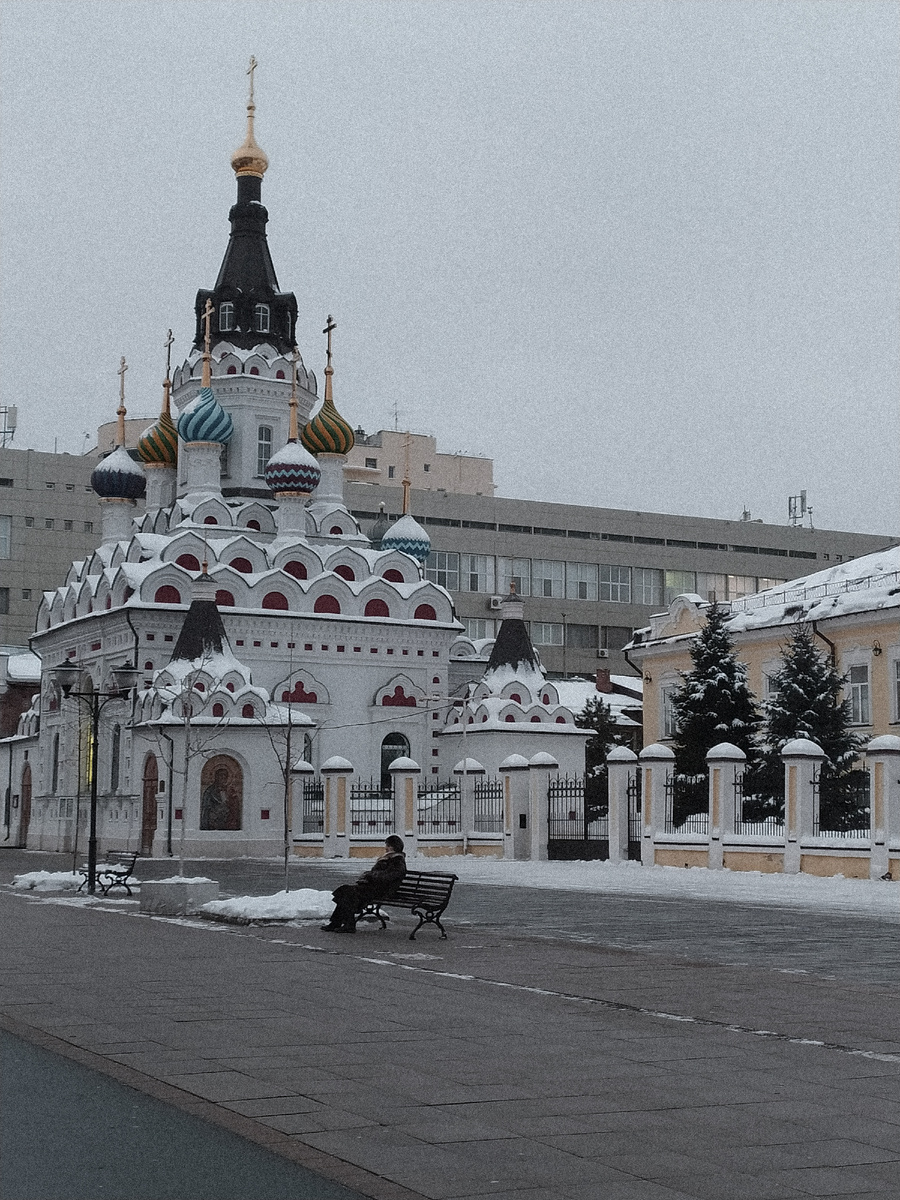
(327, 432)
(205, 420)
(158, 445)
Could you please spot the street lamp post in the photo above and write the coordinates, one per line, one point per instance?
(123, 680)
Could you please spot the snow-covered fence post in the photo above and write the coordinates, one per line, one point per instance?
(516, 838)
(404, 775)
(657, 768)
(802, 762)
(467, 769)
(622, 769)
(336, 771)
(725, 761)
(540, 769)
(883, 761)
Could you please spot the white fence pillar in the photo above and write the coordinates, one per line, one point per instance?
(467, 769)
(622, 771)
(516, 836)
(883, 761)
(726, 763)
(657, 767)
(802, 762)
(405, 773)
(336, 771)
(541, 769)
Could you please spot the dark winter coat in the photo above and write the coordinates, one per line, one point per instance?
(378, 882)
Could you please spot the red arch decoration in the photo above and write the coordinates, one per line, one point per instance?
(190, 562)
(210, 521)
(345, 572)
(295, 568)
(276, 600)
(232, 370)
(109, 601)
(515, 696)
(167, 595)
(218, 710)
(425, 612)
(224, 599)
(242, 564)
(248, 711)
(509, 717)
(560, 720)
(535, 720)
(254, 525)
(376, 608)
(393, 575)
(299, 695)
(327, 604)
(398, 699)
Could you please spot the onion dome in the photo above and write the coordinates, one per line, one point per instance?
(119, 477)
(158, 445)
(327, 432)
(379, 529)
(292, 469)
(409, 536)
(249, 158)
(205, 420)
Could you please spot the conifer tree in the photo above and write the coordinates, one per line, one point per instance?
(597, 715)
(714, 703)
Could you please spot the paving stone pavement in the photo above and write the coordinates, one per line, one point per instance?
(558, 1044)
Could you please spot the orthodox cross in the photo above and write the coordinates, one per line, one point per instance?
(207, 318)
(330, 326)
(120, 411)
(292, 432)
(253, 65)
(167, 383)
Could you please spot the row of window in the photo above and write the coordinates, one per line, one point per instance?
(551, 579)
(559, 633)
(49, 523)
(261, 317)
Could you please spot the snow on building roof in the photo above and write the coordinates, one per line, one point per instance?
(23, 668)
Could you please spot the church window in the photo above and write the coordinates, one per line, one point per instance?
(297, 569)
(345, 573)
(167, 595)
(390, 472)
(336, 529)
(275, 600)
(279, 374)
(54, 768)
(232, 370)
(242, 564)
(218, 710)
(261, 318)
(327, 604)
(393, 575)
(247, 711)
(263, 448)
(254, 370)
(224, 599)
(425, 612)
(210, 521)
(226, 317)
(376, 608)
(254, 525)
(188, 561)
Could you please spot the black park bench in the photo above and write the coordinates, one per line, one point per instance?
(423, 893)
(114, 872)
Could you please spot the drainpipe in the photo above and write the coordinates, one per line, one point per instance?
(831, 646)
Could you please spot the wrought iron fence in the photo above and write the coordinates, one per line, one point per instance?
(371, 809)
(312, 807)
(635, 818)
(687, 804)
(761, 826)
(439, 809)
(575, 828)
(488, 805)
(843, 805)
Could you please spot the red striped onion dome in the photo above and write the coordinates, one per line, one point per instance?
(292, 469)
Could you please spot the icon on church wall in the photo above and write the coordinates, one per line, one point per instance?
(221, 793)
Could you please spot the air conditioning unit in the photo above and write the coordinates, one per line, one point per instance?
(603, 654)
(495, 603)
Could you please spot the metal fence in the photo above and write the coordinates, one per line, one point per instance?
(635, 818)
(488, 805)
(761, 826)
(371, 810)
(687, 804)
(842, 806)
(439, 809)
(575, 829)
(312, 807)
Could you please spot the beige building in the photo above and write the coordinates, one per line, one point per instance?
(388, 457)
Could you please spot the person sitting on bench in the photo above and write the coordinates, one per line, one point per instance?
(375, 884)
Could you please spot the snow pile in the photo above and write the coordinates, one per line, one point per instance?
(47, 881)
(185, 879)
(305, 904)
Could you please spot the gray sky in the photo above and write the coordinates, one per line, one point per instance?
(644, 255)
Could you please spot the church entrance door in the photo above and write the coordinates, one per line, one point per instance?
(148, 812)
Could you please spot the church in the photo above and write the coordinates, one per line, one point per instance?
(269, 638)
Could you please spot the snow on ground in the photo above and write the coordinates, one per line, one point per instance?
(47, 881)
(302, 905)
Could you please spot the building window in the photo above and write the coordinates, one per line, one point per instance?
(514, 572)
(679, 583)
(666, 696)
(581, 581)
(740, 586)
(29, 522)
(477, 572)
(5, 536)
(615, 584)
(614, 637)
(764, 583)
(48, 522)
(547, 633)
(442, 567)
(26, 593)
(478, 627)
(549, 579)
(263, 448)
(89, 527)
(372, 463)
(713, 588)
(226, 317)
(390, 472)
(582, 637)
(860, 710)
(261, 318)
(68, 525)
(4, 600)
(648, 585)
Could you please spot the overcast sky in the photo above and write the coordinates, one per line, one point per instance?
(644, 255)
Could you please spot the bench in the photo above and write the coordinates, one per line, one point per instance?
(423, 893)
(115, 872)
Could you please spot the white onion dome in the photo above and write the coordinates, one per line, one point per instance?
(292, 469)
(409, 536)
(205, 420)
(119, 477)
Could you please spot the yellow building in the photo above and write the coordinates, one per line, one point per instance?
(853, 608)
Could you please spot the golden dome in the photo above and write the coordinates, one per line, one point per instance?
(249, 158)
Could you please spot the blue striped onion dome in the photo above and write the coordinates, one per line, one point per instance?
(327, 432)
(292, 469)
(205, 420)
(119, 477)
(158, 445)
(409, 536)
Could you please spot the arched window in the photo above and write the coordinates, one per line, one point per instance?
(254, 370)
(297, 569)
(261, 318)
(279, 374)
(221, 792)
(515, 696)
(188, 561)
(509, 717)
(394, 746)
(210, 521)
(535, 720)
(263, 448)
(254, 525)
(232, 370)
(242, 564)
(248, 711)
(393, 575)
(377, 608)
(326, 604)
(218, 710)
(167, 595)
(226, 316)
(560, 720)
(345, 573)
(148, 665)
(224, 599)
(425, 612)
(335, 529)
(275, 600)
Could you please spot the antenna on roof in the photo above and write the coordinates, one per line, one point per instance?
(8, 415)
(798, 509)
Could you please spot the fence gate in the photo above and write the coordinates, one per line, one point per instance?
(575, 829)
(312, 811)
(635, 819)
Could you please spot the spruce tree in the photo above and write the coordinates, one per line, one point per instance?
(597, 715)
(714, 704)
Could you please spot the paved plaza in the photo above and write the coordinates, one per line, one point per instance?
(562, 1045)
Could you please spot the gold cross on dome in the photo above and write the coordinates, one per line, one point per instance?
(123, 367)
(253, 65)
(330, 326)
(168, 343)
(207, 318)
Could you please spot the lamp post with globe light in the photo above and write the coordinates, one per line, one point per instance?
(124, 678)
